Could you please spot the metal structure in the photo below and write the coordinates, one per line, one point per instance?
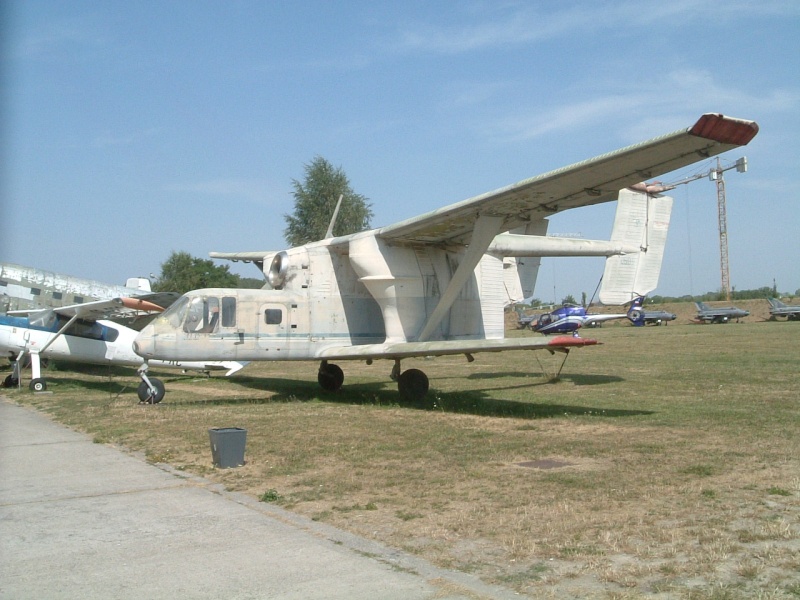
(722, 213)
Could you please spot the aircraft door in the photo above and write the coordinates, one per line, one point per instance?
(273, 330)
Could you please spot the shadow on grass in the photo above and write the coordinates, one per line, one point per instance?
(113, 380)
(575, 379)
(474, 402)
(119, 380)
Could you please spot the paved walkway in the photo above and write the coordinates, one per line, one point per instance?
(84, 520)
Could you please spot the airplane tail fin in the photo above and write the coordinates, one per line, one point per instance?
(520, 272)
(138, 283)
(641, 220)
(636, 311)
(775, 303)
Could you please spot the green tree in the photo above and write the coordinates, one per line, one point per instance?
(315, 200)
(182, 273)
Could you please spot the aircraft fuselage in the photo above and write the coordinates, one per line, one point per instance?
(322, 298)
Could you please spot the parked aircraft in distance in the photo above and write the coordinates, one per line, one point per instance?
(570, 318)
(84, 331)
(779, 309)
(658, 317)
(432, 285)
(708, 314)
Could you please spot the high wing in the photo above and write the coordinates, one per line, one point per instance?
(585, 183)
(582, 184)
(442, 348)
(98, 309)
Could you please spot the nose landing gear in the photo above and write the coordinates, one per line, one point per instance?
(151, 390)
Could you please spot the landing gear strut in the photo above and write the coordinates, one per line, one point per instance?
(151, 390)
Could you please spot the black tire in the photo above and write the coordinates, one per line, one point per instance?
(10, 382)
(330, 377)
(145, 395)
(413, 385)
(38, 385)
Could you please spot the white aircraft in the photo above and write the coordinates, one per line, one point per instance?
(59, 323)
(77, 334)
(430, 285)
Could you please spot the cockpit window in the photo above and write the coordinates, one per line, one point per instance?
(110, 334)
(45, 319)
(202, 316)
(175, 313)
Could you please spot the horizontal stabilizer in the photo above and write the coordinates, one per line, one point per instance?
(642, 220)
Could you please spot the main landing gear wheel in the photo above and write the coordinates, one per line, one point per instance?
(413, 385)
(148, 396)
(330, 377)
(10, 382)
(38, 385)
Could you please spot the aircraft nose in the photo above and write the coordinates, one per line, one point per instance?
(144, 344)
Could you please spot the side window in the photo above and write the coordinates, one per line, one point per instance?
(229, 311)
(35, 292)
(273, 316)
(194, 316)
(210, 315)
(202, 315)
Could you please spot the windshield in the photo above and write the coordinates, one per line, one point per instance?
(174, 314)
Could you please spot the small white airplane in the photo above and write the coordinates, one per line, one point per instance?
(431, 285)
(70, 319)
(78, 334)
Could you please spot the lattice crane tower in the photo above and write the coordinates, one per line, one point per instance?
(722, 213)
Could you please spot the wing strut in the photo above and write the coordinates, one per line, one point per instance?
(486, 228)
(59, 334)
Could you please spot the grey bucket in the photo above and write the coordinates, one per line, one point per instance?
(227, 446)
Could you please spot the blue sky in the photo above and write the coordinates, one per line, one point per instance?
(134, 129)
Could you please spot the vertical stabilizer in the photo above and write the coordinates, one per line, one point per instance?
(641, 220)
(520, 272)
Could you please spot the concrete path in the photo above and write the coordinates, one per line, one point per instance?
(84, 520)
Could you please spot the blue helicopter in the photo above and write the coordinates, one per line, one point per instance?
(570, 318)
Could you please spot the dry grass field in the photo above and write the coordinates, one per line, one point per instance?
(664, 463)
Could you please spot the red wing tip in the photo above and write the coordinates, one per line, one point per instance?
(568, 340)
(725, 130)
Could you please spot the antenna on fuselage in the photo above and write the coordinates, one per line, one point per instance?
(329, 233)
